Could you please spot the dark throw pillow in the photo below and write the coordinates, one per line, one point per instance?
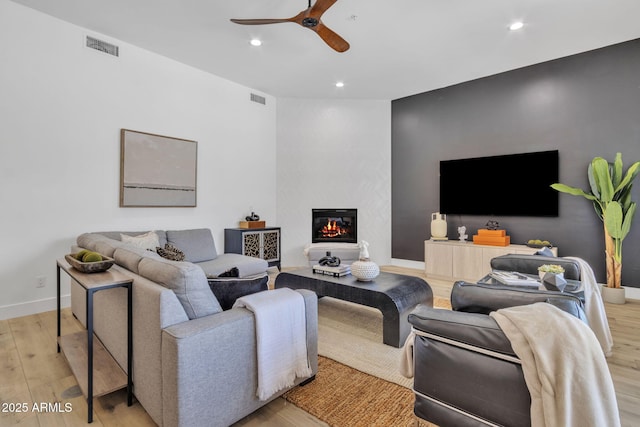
(232, 272)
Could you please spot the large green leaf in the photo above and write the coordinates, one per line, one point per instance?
(628, 218)
(624, 198)
(613, 219)
(574, 191)
(632, 172)
(598, 208)
(603, 179)
(592, 181)
(617, 170)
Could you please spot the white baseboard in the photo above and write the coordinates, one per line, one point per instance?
(33, 307)
(406, 263)
(632, 293)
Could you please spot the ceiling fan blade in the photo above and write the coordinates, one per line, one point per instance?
(320, 7)
(334, 41)
(259, 21)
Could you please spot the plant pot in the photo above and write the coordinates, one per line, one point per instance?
(613, 295)
(553, 281)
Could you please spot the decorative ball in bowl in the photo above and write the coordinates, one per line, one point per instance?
(89, 262)
(537, 243)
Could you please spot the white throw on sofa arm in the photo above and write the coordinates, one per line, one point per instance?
(210, 365)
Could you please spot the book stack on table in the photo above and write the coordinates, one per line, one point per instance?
(512, 278)
(339, 271)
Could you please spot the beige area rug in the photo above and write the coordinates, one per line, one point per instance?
(345, 397)
(352, 335)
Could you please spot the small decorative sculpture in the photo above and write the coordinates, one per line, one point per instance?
(493, 225)
(253, 217)
(329, 261)
(364, 250)
(364, 269)
(461, 231)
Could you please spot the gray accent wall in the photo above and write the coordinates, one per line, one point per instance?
(585, 105)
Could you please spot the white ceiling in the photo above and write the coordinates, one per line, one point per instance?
(398, 47)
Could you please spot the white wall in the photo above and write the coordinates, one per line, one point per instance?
(334, 154)
(62, 106)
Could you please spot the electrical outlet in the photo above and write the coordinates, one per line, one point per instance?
(41, 281)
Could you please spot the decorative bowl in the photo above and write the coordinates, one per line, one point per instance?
(90, 267)
(538, 246)
(365, 271)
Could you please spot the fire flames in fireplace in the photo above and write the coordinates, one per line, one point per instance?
(333, 230)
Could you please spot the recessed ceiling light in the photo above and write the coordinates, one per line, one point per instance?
(339, 84)
(255, 42)
(516, 26)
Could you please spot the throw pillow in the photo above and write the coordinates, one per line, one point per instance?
(232, 272)
(197, 244)
(545, 252)
(147, 241)
(170, 252)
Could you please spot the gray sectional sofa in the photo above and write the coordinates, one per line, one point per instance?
(193, 362)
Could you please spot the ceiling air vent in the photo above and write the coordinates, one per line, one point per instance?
(259, 99)
(102, 46)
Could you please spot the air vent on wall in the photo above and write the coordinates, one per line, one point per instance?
(102, 46)
(259, 99)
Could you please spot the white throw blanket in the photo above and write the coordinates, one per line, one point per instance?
(281, 338)
(594, 307)
(563, 365)
(406, 357)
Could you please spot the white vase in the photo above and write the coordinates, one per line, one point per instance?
(613, 295)
(364, 270)
(438, 225)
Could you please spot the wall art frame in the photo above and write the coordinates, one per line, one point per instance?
(157, 170)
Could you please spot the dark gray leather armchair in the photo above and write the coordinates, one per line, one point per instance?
(465, 371)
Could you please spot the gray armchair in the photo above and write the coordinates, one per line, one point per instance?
(465, 370)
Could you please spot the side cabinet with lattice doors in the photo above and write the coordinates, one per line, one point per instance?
(258, 242)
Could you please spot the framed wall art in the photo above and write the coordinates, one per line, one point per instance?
(156, 170)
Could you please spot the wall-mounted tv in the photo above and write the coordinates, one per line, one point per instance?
(507, 185)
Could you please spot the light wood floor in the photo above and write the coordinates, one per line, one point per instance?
(32, 372)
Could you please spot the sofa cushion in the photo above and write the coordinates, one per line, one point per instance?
(129, 257)
(186, 280)
(107, 247)
(117, 235)
(148, 240)
(247, 266)
(90, 240)
(197, 244)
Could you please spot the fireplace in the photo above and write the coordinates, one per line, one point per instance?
(334, 225)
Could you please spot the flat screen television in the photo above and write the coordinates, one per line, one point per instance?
(507, 185)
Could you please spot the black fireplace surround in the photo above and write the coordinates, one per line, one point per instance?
(334, 225)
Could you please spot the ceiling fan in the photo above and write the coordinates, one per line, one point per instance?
(308, 18)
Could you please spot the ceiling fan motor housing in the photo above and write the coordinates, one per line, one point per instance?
(309, 22)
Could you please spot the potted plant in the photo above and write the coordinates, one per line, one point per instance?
(552, 277)
(550, 268)
(611, 197)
